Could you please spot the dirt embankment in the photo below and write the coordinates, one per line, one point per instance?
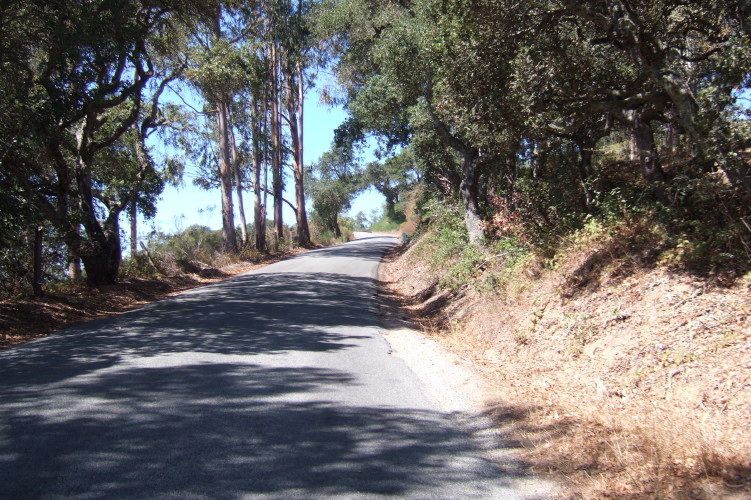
(622, 382)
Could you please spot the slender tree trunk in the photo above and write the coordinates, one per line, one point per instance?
(239, 189)
(276, 145)
(38, 261)
(303, 232)
(585, 172)
(673, 137)
(536, 161)
(468, 186)
(265, 173)
(133, 228)
(229, 236)
(259, 222)
(337, 229)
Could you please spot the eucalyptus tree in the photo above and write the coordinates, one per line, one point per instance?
(297, 56)
(217, 74)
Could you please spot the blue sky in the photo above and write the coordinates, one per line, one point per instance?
(186, 205)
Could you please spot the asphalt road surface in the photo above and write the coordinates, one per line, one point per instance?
(273, 384)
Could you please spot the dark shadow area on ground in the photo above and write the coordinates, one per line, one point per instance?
(167, 401)
(168, 432)
(250, 314)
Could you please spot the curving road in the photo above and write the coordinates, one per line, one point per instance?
(273, 384)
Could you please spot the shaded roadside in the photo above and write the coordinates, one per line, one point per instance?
(25, 318)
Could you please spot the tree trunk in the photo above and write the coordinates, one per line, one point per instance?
(38, 261)
(259, 221)
(536, 161)
(101, 253)
(303, 232)
(337, 229)
(585, 171)
(229, 236)
(276, 160)
(133, 228)
(468, 187)
(239, 189)
(469, 192)
(673, 138)
(74, 260)
(102, 262)
(649, 161)
(390, 206)
(265, 176)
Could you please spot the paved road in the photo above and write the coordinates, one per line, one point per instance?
(273, 384)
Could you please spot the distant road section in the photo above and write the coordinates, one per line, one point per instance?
(273, 384)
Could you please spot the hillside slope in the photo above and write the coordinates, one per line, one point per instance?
(624, 381)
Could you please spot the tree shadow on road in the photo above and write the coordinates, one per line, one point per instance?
(251, 314)
(169, 432)
(173, 401)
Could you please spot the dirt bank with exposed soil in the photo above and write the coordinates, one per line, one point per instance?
(622, 382)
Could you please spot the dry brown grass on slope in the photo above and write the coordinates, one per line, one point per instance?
(624, 382)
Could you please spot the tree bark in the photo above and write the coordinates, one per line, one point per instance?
(296, 134)
(133, 228)
(469, 192)
(468, 187)
(100, 252)
(101, 256)
(673, 138)
(74, 260)
(585, 171)
(229, 236)
(649, 161)
(259, 221)
(337, 229)
(38, 261)
(238, 189)
(276, 153)
(632, 148)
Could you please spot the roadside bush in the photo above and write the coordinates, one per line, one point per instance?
(325, 237)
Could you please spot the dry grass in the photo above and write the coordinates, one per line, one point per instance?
(618, 379)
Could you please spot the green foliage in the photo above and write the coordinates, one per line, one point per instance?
(326, 237)
(196, 244)
(139, 266)
(445, 246)
(18, 222)
(333, 182)
(546, 99)
(384, 224)
(391, 218)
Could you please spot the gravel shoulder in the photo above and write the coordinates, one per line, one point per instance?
(460, 390)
